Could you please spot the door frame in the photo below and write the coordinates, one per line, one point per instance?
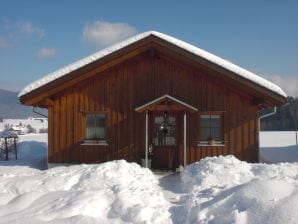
(165, 155)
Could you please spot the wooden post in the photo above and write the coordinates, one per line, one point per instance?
(15, 148)
(184, 141)
(146, 141)
(6, 149)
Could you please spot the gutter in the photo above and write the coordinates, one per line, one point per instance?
(34, 111)
(267, 115)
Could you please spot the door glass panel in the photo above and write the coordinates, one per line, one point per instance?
(164, 131)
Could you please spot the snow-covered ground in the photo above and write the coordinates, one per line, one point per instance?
(278, 146)
(214, 190)
(21, 125)
(32, 152)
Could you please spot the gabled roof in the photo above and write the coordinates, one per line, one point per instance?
(197, 52)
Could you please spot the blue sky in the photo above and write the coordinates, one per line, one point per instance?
(38, 37)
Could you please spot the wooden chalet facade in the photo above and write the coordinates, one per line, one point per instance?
(155, 97)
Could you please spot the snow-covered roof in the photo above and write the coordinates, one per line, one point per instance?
(179, 43)
(8, 134)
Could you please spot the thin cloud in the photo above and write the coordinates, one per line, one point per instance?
(16, 30)
(4, 42)
(46, 52)
(102, 33)
(287, 83)
(27, 28)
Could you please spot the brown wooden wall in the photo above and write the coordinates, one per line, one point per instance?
(119, 90)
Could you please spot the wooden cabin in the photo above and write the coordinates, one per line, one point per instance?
(152, 97)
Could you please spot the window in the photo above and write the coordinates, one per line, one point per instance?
(95, 127)
(211, 128)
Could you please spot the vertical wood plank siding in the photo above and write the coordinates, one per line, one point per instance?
(119, 90)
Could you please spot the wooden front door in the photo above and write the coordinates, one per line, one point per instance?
(165, 129)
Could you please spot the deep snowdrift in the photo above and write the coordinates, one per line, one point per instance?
(226, 190)
(113, 192)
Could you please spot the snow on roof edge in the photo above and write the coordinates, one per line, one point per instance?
(224, 64)
(179, 43)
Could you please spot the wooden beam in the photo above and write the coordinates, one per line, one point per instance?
(165, 107)
(164, 103)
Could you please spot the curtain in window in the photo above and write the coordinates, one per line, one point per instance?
(210, 127)
(95, 126)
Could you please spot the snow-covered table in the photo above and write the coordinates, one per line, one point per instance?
(8, 135)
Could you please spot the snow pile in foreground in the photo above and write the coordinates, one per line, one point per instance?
(226, 190)
(112, 192)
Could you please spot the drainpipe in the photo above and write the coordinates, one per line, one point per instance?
(146, 141)
(261, 117)
(184, 140)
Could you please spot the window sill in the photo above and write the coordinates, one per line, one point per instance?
(95, 142)
(216, 144)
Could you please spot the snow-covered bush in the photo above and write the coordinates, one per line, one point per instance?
(30, 129)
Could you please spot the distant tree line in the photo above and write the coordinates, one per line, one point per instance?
(285, 119)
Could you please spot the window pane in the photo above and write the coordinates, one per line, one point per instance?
(100, 133)
(90, 132)
(204, 134)
(205, 121)
(170, 141)
(172, 120)
(215, 121)
(100, 126)
(158, 120)
(211, 126)
(216, 133)
(95, 126)
(100, 120)
(205, 116)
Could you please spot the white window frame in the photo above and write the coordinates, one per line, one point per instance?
(98, 141)
(216, 142)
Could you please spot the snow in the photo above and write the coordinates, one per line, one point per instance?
(20, 125)
(32, 152)
(8, 134)
(112, 192)
(226, 190)
(179, 43)
(215, 190)
(277, 138)
(278, 146)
